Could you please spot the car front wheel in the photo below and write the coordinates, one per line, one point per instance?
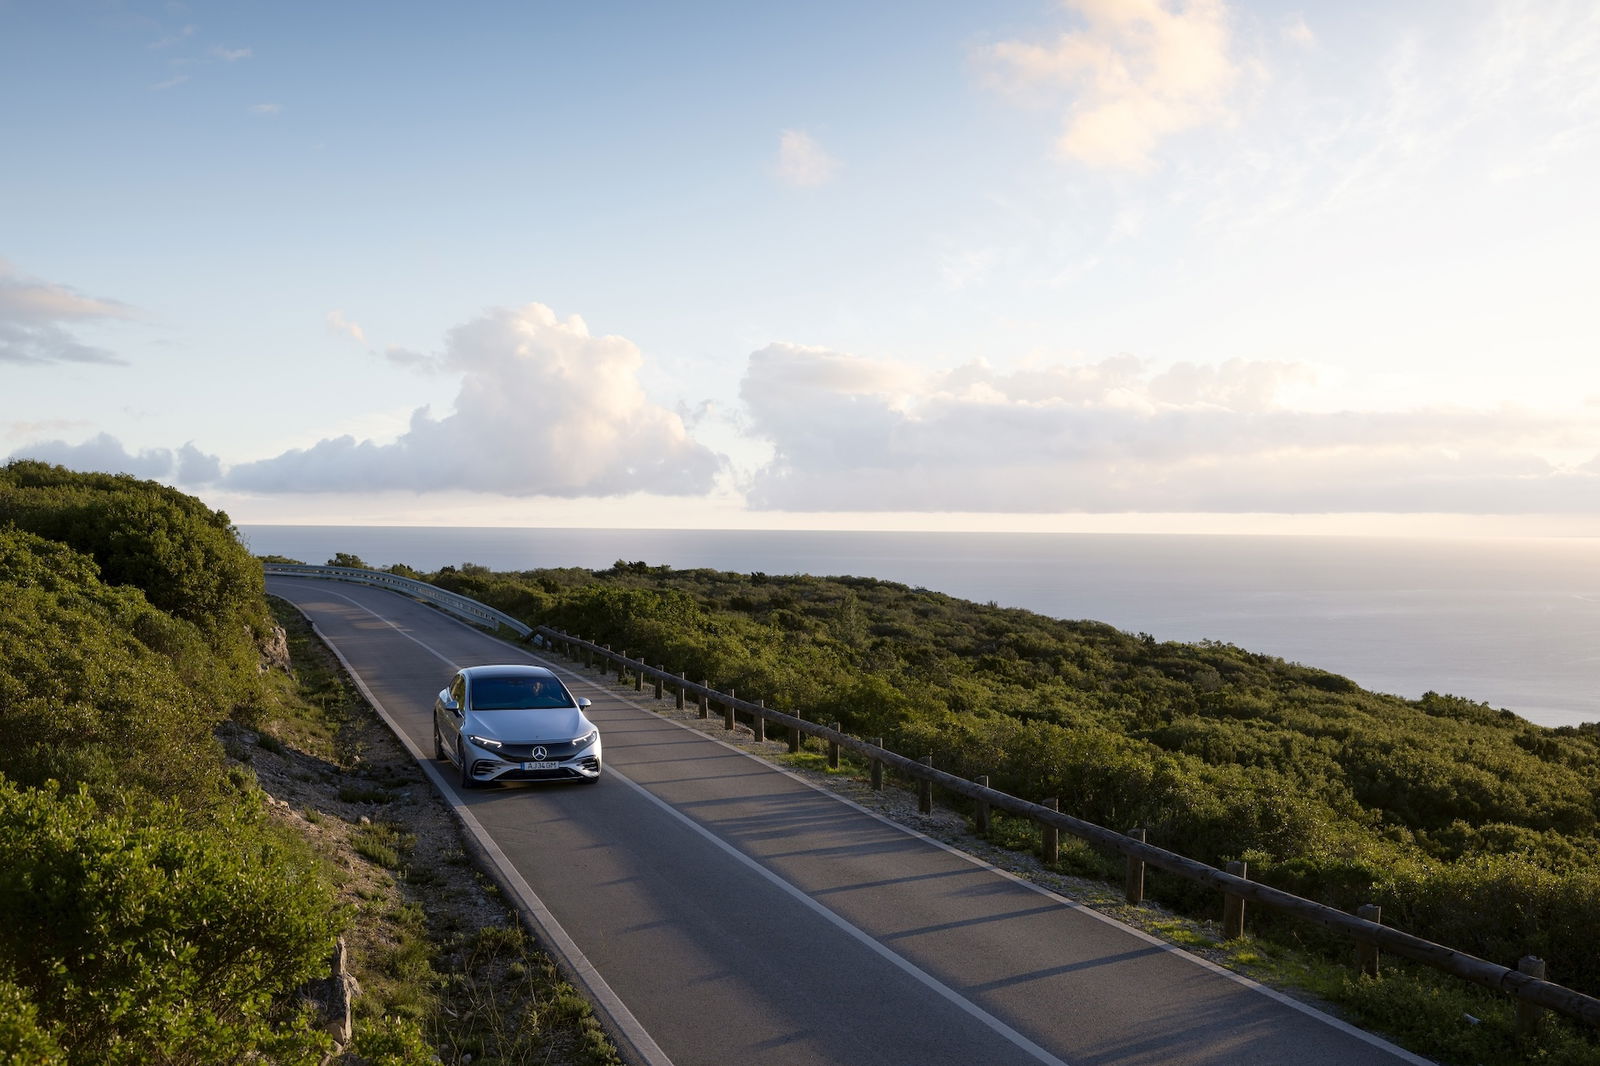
(467, 780)
(438, 743)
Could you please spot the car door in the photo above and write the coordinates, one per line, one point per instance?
(446, 722)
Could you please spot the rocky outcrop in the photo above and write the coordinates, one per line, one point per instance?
(333, 998)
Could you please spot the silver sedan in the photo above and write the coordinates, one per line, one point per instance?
(514, 723)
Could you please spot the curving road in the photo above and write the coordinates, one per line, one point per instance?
(722, 911)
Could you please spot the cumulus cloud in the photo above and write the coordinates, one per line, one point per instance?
(1137, 72)
(1120, 435)
(804, 162)
(544, 408)
(105, 454)
(35, 314)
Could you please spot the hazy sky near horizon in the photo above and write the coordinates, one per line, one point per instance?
(1086, 264)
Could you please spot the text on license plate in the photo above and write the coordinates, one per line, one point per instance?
(540, 765)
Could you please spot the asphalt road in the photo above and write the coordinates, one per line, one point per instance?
(723, 911)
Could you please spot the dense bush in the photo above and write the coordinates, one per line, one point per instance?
(184, 557)
(96, 685)
(147, 911)
(142, 939)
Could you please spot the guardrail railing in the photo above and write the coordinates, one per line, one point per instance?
(1525, 983)
(460, 606)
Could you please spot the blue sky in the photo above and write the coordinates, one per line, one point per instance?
(1097, 264)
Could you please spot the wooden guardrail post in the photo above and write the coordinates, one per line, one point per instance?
(1530, 1016)
(588, 658)
(1233, 906)
(1133, 882)
(727, 712)
(925, 788)
(622, 667)
(1050, 851)
(705, 699)
(980, 817)
(758, 721)
(796, 739)
(661, 681)
(833, 749)
(638, 677)
(1366, 953)
(683, 680)
(877, 767)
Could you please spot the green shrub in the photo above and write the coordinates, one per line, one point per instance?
(138, 938)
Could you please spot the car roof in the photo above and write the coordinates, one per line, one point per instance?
(506, 670)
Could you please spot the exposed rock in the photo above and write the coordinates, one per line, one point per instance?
(333, 997)
(275, 650)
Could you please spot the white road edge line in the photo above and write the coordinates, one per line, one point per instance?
(647, 1052)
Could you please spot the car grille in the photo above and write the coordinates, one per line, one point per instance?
(561, 774)
(524, 752)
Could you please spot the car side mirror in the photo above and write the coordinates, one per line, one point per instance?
(446, 702)
(582, 703)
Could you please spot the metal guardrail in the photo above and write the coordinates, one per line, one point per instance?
(460, 606)
(1530, 989)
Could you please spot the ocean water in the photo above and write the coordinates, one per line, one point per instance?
(1513, 623)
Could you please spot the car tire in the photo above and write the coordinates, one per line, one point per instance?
(467, 780)
(438, 743)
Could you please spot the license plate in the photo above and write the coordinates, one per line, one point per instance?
(540, 765)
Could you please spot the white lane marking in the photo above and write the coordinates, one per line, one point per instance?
(648, 1051)
(866, 939)
(435, 652)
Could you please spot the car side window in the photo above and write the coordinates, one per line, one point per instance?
(458, 689)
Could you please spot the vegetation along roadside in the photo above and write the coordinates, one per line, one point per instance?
(192, 831)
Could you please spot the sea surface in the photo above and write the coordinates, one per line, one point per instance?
(1512, 623)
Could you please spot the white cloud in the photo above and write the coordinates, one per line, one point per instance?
(175, 80)
(196, 468)
(101, 453)
(337, 323)
(1121, 436)
(544, 408)
(1295, 31)
(1137, 72)
(802, 161)
(266, 109)
(230, 55)
(34, 315)
(183, 34)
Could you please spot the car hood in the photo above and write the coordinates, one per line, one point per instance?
(530, 726)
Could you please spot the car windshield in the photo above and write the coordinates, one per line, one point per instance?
(517, 693)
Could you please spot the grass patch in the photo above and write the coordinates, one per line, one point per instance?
(383, 843)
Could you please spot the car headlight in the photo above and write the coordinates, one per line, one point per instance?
(588, 738)
(485, 742)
